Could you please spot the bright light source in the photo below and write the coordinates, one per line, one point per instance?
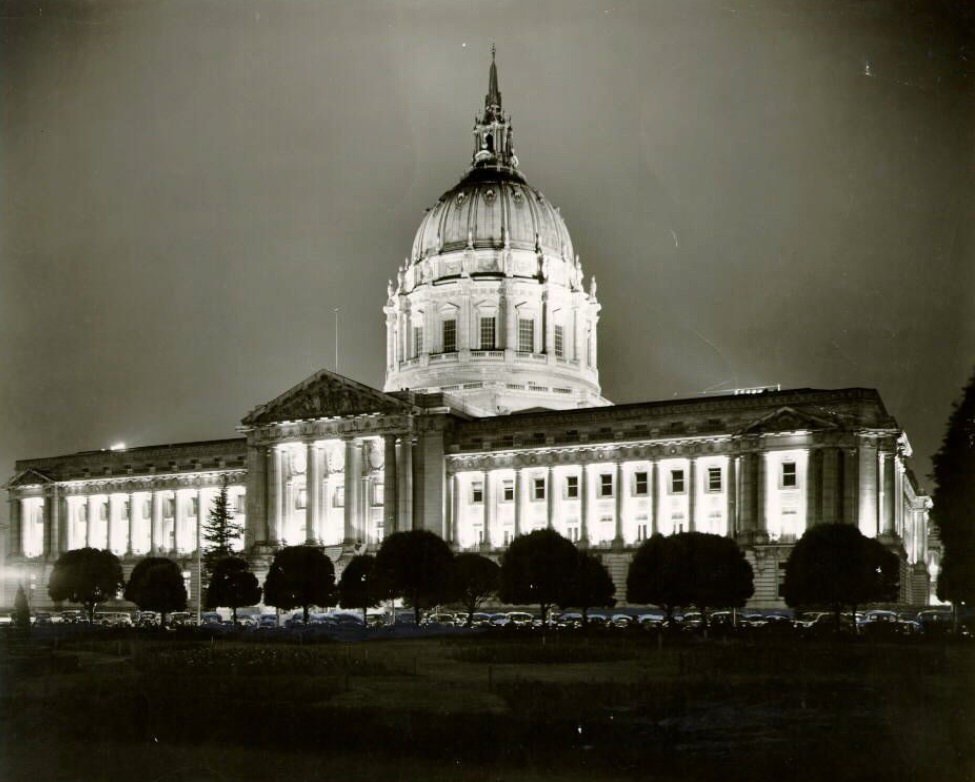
(117, 447)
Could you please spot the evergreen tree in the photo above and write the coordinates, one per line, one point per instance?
(953, 511)
(21, 615)
(221, 534)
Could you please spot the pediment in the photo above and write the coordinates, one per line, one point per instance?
(29, 477)
(325, 395)
(787, 419)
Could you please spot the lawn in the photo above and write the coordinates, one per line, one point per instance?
(497, 707)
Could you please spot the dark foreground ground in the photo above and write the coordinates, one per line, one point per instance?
(485, 708)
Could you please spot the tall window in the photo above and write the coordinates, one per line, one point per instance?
(538, 489)
(605, 485)
(526, 335)
(560, 341)
(488, 332)
(676, 481)
(640, 484)
(714, 479)
(572, 487)
(789, 480)
(477, 492)
(508, 491)
(301, 499)
(417, 340)
(449, 336)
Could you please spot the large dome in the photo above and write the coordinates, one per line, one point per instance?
(492, 208)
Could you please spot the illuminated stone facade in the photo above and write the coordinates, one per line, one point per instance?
(491, 425)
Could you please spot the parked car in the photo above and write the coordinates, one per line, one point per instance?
(519, 619)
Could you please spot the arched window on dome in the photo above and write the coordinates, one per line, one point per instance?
(417, 334)
(448, 329)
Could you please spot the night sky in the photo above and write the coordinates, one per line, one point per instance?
(767, 192)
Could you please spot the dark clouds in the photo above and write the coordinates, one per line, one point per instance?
(767, 192)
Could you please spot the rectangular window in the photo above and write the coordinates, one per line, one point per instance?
(417, 340)
(477, 492)
(714, 479)
(676, 481)
(146, 507)
(789, 479)
(488, 333)
(450, 336)
(573, 534)
(560, 341)
(508, 491)
(526, 335)
(169, 507)
(378, 494)
(103, 511)
(194, 506)
(508, 537)
(124, 511)
(301, 499)
(641, 531)
(241, 503)
(338, 501)
(538, 489)
(641, 484)
(572, 487)
(605, 485)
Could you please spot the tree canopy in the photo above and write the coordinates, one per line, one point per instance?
(221, 534)
(87, 576)
(837, 566)
(590, 586)
(537, 568)
(233, 586)
(476, 578)
(953, 501)
(300, 577)
(358, 587)
(690, 569)
(415, 565)
(156, 584)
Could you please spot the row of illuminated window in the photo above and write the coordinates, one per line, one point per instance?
(168, 507)
(376, 496)
(488, 336)
(640, 484)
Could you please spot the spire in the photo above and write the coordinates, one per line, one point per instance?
(493, 146)
(492, 101)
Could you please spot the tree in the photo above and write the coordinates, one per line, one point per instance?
(156, 584)
(589, 586)
(836, 566)
(690, 569)
(537, 568)
(221, 534)
(358, 587)
(86, 576)
(300, 577)
(953, 501)
(415, 565)
(233, 586)
(21, 614)
(475, 578)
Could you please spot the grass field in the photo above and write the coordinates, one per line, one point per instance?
(499, 707)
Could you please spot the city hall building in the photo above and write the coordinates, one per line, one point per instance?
(491, 423)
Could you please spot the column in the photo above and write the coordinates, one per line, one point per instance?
(16, 527)
(353, 472)
(201, 514)
(746, 510)
(851, 486)
(814, 510)
(731, 487)
(50, 511)
(691, 494)
(490, 509)
(550, 497)
(91, 512)
(898, 496)
(455, 497)
(135, 512)
(761, 522)
(256, 497)
(830, 496)
(274, 499)
(519, 501)
(404, 483)
(887, 469)
(389, 485)
(655, 497)
(869, 488)
(112, 516)
(621, 492)
(510, 318)
(179, 521)
(313, 493)
(584, 506)
(156, 523)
